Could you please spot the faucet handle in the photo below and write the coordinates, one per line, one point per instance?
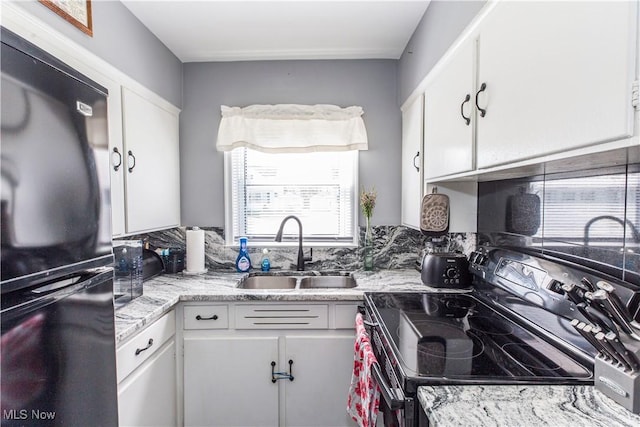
(300, 265)
(310, 257)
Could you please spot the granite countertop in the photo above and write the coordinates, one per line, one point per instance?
(515, 405)
(522, 405)
(162, 293)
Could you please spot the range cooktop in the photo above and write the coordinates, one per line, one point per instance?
(453, 337)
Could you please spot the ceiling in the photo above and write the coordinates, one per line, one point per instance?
(217, 30)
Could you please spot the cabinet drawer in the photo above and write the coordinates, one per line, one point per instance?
(206, 317)
(146, 343)
(346, 316)
(281, 316)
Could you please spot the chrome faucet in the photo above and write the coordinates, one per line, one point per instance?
(301, 258)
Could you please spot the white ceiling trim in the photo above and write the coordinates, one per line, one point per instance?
(290, 54)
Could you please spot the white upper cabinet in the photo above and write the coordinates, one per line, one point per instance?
(557, 76)
(412, 163)
(150, 163)
(114, 105)
(449, 116)
(147, 197)
(543, 79)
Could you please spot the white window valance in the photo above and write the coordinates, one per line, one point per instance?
(292, 128)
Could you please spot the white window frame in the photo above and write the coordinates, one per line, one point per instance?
(232, 241)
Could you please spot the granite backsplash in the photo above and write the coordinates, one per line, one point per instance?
(395, 247)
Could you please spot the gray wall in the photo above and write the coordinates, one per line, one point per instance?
(440, 26)
(120, 39)
(379, 86)
(368, 83)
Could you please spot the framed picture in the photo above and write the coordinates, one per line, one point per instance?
(76, 12)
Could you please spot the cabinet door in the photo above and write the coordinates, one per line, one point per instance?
(558, 76)
(227, 381)
(322, 368)
(148, 396)
(116, 161)
(412, 163)
(152, 162)
(449, 99)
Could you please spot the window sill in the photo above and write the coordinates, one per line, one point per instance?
(277, 245)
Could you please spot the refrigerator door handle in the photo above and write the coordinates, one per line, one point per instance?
(57, 285)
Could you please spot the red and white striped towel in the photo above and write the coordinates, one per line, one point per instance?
(364, 393)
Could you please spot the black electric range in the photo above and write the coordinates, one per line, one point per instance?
(456, 338)
(513, 327)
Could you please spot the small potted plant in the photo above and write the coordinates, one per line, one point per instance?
(368, 203)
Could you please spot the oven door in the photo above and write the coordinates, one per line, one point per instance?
(396, 407)
(397, 410)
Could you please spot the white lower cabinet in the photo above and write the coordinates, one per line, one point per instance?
(322, 367)
(227, 381)
(229, 374)
(147, 377)
(149, 397)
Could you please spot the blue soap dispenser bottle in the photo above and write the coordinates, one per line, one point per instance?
(265, 265)
(243, 262)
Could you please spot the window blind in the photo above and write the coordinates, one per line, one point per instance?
(319, 188)
(597, 204)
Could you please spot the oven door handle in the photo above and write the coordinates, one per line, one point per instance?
(394, 398)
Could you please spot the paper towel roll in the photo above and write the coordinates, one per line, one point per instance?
(195, 251)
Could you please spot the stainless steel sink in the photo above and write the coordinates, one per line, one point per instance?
(334, 282)
(298, 281)
(269, 282)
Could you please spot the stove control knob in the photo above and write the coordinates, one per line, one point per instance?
(452, 273)
(556, 286)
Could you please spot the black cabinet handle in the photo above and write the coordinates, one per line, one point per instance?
(466, 119)
(483, 87)
(117, 166)
(214, 317)
(275, 376)
(140, 350)
(130, 153)
(414, 161)
(290, 370)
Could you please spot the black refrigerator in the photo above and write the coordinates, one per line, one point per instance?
(58, 364)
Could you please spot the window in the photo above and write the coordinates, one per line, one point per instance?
(590, 210)
(291, 159)
(320, 188)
